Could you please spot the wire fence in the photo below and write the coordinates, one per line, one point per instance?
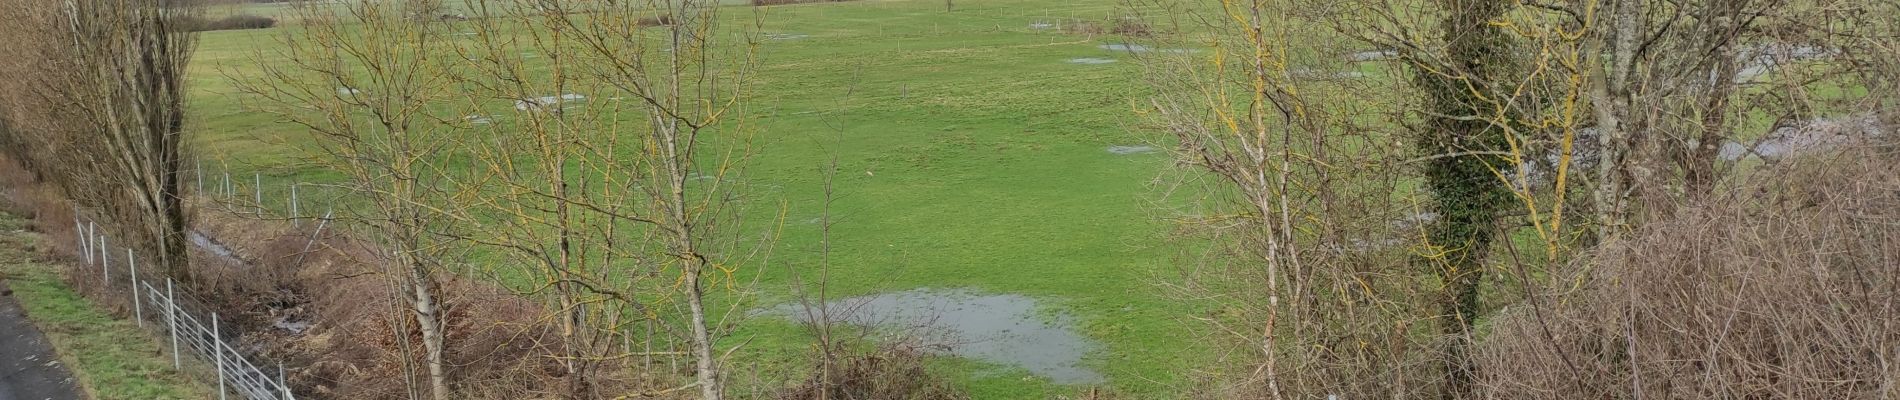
(185, 321)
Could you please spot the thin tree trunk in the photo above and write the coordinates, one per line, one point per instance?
(677, 164)
(409, 227)
(419, 288)
(1611, 95)
(1699, 165)
(428, 320)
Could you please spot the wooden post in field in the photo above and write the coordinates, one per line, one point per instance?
(171, 319)
(258, 179)
(227, 187)
(138, 311)
(201, 177)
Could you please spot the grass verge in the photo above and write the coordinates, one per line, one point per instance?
(111, 357)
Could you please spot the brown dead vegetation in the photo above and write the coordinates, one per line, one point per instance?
(892, 371)
(788, 2)
(500, 343)
(502, 346)
(1125, 26)
(663, 20)
(1783, 287)
(197, 23)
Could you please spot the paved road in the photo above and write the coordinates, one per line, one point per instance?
(29, 369)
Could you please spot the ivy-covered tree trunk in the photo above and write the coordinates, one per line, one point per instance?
(1468, 193)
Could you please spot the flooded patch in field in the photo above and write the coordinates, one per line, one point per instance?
(1092, 61)
(1758, 61)
(293, 326)
(1308, 73)
(205, 243)
(786, 36)
(1136, 48)
(478, 119)
(1126, 150)
(347, 91)
(1042, 25)
(1415, 221)
(1812, 135)
(1732, 151)
(538, 103)
(1372, 55)
(999, 328)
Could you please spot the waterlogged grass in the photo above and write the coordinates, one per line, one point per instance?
(972, 154)
(111, 357)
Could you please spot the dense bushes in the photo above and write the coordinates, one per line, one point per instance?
(1784, 287)
(784, 2)
(894, 371)
(234, 22)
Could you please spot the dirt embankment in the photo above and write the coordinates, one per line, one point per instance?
(319, 303)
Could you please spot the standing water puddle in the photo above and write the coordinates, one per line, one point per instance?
(205, 242)
(1136, 48)
(998, 328)
(1126, 150)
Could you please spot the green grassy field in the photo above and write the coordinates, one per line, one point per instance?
(111, 357)
(973, 155)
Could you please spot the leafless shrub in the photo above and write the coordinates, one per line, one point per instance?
(1082, 27)
(95, 106)
(663, 20)
(892, 371)
(1781, 287)
(785, 2)
(500, 348)
(1306, 276)
(197, 23)
(1130, 26)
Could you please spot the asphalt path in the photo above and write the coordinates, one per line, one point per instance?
(29, 369)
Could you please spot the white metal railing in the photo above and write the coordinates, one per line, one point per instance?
(187, 328)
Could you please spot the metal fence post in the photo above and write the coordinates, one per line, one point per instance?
(314, 236)
(79, 234)
(217, 353)
(258, 179)
(138, 310)
(293, 205)
(201, 177)
(227, 186)
(171, 318)
(283, 382)
(105, 263)
(91, 229)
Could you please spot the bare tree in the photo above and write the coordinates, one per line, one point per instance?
(1287, 198)
(364, 80)
(1663, 98)
(617, 171)
(102, 83)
